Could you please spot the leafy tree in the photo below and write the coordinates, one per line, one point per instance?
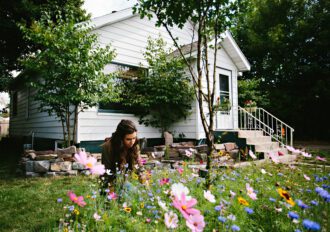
(12, 43)
(210, 19)
(249, 89)
(69, 68)
(287, 43)
(164, 95)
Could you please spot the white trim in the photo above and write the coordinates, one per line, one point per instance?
(238, 51)
(111, 18)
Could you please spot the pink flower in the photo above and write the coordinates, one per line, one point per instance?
(78, 200)
(252, 155)
(180, 170)
(185, 207)
(250, 192)
(141, 161)
(171, 220)
(280, 153)
(90, 163)
(321, 158)
(274, 157)
(307, 177)
(305, 154)
(112, 196)
(232, 194)
(196, 223)
(164, 181)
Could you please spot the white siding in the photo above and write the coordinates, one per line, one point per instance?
(129, 38)
(29, 119)
(223, 62)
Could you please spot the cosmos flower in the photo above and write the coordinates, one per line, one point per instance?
(90, 163)
(321, 158)
(171, 220)
(209, 196)
(274, 157)
(196, 223)
(78, 200)
(177, 189)
(250, 192)
(185, 206)
(164, 181)
(96, 217)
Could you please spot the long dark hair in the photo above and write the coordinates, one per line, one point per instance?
(119, 155)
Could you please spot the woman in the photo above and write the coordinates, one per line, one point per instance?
(121, 152)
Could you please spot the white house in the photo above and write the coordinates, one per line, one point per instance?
(128, 34)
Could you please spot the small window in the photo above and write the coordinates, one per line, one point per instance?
(14, 104)
(123, 72)
(224, 94)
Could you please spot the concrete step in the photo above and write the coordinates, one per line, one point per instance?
(259, 139)
(270, 146)
(250, 133)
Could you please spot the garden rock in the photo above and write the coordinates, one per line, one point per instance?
(64, 155)
(68, 150)
(29, 166)
(77, 166)
(65, 166)
(46, 157)
(55, 166)
(50, 174)
(41, 166)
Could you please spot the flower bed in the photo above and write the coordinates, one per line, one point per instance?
(274, 197)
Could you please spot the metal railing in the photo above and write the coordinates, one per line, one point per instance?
(247, 121)
(282, 132)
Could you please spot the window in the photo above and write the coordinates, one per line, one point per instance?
(123, 72)
(224, 93)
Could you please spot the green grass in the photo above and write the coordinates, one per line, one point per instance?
(30, 204)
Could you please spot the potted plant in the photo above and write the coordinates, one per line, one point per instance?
(224, 105)
(250, 106)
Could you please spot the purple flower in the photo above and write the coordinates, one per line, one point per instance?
(222, 219)
(59, 200)
(248, 210)
(235, 228)
(293, 215)
(310, 225)
(314, 202)
(302, 204)
(272, 199)
(218, 208)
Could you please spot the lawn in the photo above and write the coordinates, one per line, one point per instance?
(283, 193)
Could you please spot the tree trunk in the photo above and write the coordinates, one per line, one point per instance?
(75, 124)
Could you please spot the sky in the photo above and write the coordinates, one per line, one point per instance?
(103, 7)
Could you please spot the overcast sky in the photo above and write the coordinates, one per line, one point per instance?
(102, 7)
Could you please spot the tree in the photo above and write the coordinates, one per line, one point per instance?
(69, 68)
(210, 18)
(290, 55)
(12, 43)
(164, 95)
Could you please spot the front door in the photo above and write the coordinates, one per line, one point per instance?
(224, 119)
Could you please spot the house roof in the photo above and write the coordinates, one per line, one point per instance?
(228, 42)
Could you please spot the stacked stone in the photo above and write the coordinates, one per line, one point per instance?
(53, 163)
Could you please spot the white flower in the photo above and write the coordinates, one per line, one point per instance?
(177, 189)
(139, 213)
(263, 171)
(232, 217)
(162, 204)
(96, 217)
(252, 155)
(171, 220)
(209, 196)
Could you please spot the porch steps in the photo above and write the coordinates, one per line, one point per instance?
(261, 143)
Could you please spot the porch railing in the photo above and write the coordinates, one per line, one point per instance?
(259, 119)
